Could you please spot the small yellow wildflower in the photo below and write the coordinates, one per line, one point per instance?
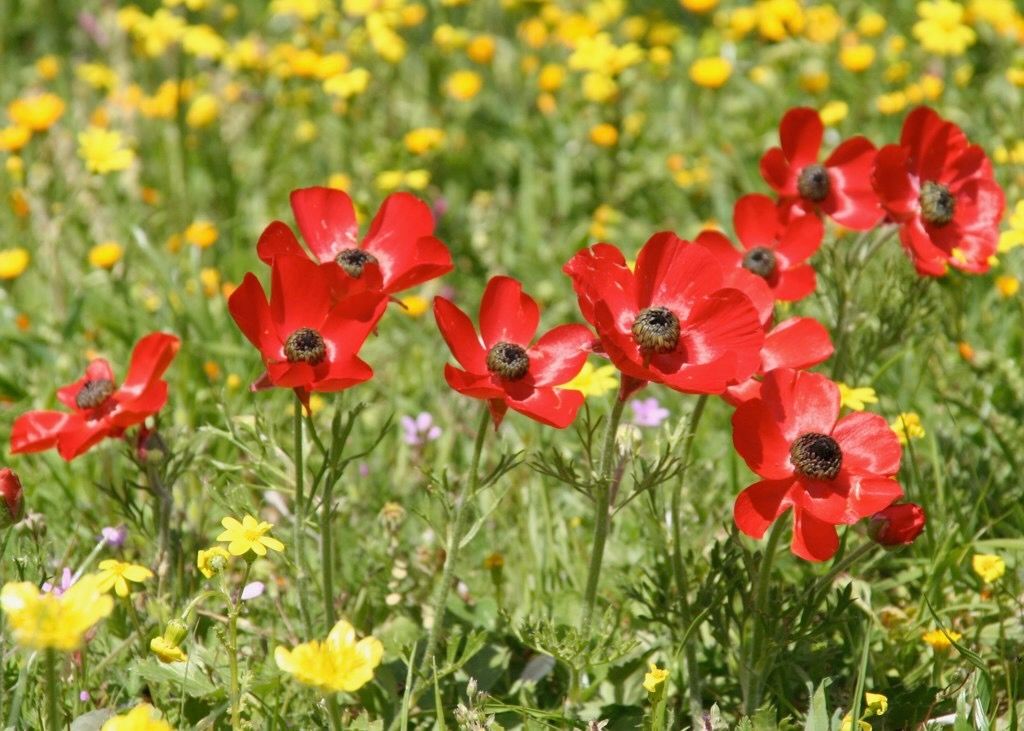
(422, 140)
(165, 651)
(847, 724)
(41, 620)
(604, 135)
(116, 574)
(339, 664)
(248, 535)
(593, 381)
(599, 87)
(141, 718)
(891, 103)
(1014, 237)
(201, 233)
(13, 263)
(213, 560)
(1007, 285)
(857, 58)
(414, 305)
(857, 398)
(48, 67)
(699, 6)
(710, 72)
(551, 77)
(481, 50)
(13, 138)
(941, 639)
(106, 254)
(876, 704)
(202, 111)
(103, 150)
(988, 566)
(941, 28)
(209, 277)
(907, 426)
(37, 113)
(654, 677)
(871, 24)
(464, 85)
(833, 113)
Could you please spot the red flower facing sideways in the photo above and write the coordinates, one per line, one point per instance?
(398, 252)
(840, 187)
(99, 407)
(941, 192)
(774, 247)
(503, 367)
(830, 471)
(897, 525)
(309, 340)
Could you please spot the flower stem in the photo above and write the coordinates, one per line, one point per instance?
(335, 713)
(299, 525)
(236, 690)
(50, 668)
(761, 596)
(165, 563)
(602, 519)
(467, 493)
(327, 555)
(847, 561)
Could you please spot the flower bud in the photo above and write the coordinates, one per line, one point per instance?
(897, 525)
(175, 632)
(12, 504)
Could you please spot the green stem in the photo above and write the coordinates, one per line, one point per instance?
(764, 573)
(679, 567)
(165, 505)
(236, 690)
(847, 561)
(14, 717)
(327, 552)
(335, 713)
(602, 519)
(299, 525)
(52, 713)
(467, 493)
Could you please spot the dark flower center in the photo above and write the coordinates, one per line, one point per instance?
(816, 455)
(937, 204)
(760, 261)
(656, 330)
(94, 393)
(813, 183)
(508, 360)
(354, 260)
(305, 345)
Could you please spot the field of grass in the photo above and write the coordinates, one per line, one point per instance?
(484, 536)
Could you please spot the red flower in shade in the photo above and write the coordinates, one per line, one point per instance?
(309, 340)
(774, 248)
(502, 367)
(941, 191)
(673, 320)
(12, 499)
(897, 525)
(840, 187)
(400, 240)
(830, 471)
(100, 408)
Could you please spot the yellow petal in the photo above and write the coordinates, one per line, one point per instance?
(230, 524)
(137, 573)
(272, 543)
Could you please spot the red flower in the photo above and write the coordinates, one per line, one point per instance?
(99, 408)
(502, 367)
(774, 248)
(831, 471)
(309, 340)
(674, 320)
(400, 240)
(840, 187)
(941, 192)
(12, 501)
(897, 525)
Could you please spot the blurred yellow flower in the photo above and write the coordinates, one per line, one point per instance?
(1007, 285)
(464, 85)
(551, 77)
(857, 57)
(209, 278)
(40, 620)
(481, 49)
(13, 262)
(37, 112)
(106, 254)
(166, 651)
(940, 639)
(141, 718)
(114, 574)
(591, 381)
(201, 233)
(834, 112)
(1014, 237)
(13, 138)
(814, 81)
(414, 305)
(654, 677)
(941, 28)
(871, 24)
(422, 140)
(249, 535)
(212, 560)
(604, 135)
(988, 566)
(48, 67)
(907, 426)
(340, 664)
(876, 704)
(892, 103)
(823, 24)
(103, 150)
(202, 111)
(349, 84)
(856, 399)
(699, 6)
(97, 75)
(710, 72)
(599, 87)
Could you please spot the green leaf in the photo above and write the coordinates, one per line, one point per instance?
(195, 683)
(817, 716)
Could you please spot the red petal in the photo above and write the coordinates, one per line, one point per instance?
(472, 384)
(759, 440)
(794, 284)
(800, 402)
(852, 202)
(869, 445)
(868, 495)
(725, 323)
(300, 294)
(248, 306)
(457, 330)
(800, 133)
(507, 314)
(137, 409)
(778, 173)
(327, 221)
(277, 240)
(552, 406)
(345, 371)
(758, 506)
(675, 274)
(799, 342)
(756, 220)
(559, 354)
(800, 239)
(891, 180)
(37, 430)
(401, 238)
(813, 540)
(80, 435)
(150, 358)
(98, 369)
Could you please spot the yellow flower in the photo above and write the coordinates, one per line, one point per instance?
(213, 560)
(654, 677)
(422, 140)
(847, 724)
(1007, 285)
(593, 381)
(1014, 237)
(48, 67)
(892, 103)
(166, 651)
(116, 574)
(989, 567)
(876, 704)
(871, 24)
(13, 263)
(833, 113)
(248, 536)
(105, 255)
(941, 639)
(209, 277)
(856, 398)
(699, 6)
(202, 111)
(551, 77)
(13, 138)
(40, 620)
(599, 87)
(481, 49)
(338, 664)
(37, 113)
(464, 85)
(857, 58)
(907, 426)
(201, 233)
(103, 150)
(414, 305)
(349, 84)
(711, 72)
(941, 29)
(604, 135)
(141, 718)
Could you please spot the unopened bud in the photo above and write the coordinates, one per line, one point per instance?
(12, 503)
(175, 632)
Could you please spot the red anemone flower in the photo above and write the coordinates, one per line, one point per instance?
(309, 340)
(897, 525)
(400, 241)
(674, 320)
(503, 367)
(830, 471)
(774, 248)
(99, 407)
(840, 187)
(941, 192)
